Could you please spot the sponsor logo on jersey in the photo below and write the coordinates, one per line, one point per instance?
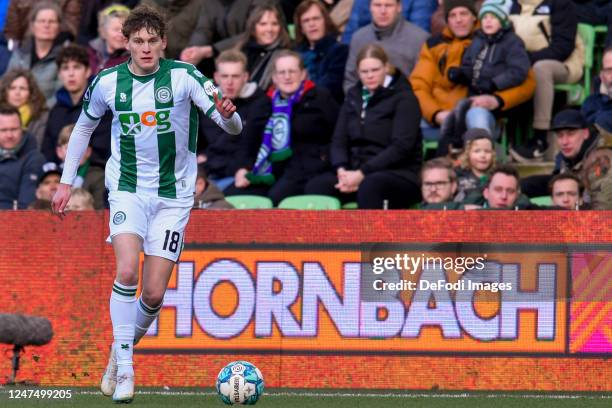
(122, 97)
(163, 94)
(119, 218)
(132, 122)
(87, 94)
(209, 88)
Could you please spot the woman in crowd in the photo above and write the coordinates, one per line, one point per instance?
(18, 88)
(108, 49)
(296, 138)
(376, 147)
(39, 49)
(323, 56)
(264, 36)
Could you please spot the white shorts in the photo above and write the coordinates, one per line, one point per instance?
(160, 222)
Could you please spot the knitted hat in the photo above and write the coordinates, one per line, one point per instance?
(499, 8)
(451, 4)
(476, 133)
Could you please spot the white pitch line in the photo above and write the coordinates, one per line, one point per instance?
(376, 395)
(361, 395)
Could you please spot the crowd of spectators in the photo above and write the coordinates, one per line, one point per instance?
(337, 98)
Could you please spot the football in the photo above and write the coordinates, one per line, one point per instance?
(240, 382)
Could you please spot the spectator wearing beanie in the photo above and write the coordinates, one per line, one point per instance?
(495, 61)
(436, 93)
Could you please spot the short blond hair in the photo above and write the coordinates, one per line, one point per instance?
(64, 135)
(231, 55)
(85, 196)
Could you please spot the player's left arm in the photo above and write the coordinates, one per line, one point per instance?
(221, 110)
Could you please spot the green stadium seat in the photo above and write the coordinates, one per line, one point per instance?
(291, 31)
(601, 29)
(249, 202)
(601, 32)
(310, 202)
(350, 206)
(429, 145)
(543, 201)
(577, 93)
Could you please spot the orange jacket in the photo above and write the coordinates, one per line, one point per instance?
(436, 92)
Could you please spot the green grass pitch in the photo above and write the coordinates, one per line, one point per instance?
(319, 398)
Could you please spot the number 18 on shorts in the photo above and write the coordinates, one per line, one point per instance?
(160, 222)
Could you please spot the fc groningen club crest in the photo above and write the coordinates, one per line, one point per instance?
(163, 94)
(119, 218)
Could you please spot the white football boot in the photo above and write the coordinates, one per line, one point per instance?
(109, 379)
(124, 391)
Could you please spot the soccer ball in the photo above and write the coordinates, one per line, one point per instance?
(240, 382)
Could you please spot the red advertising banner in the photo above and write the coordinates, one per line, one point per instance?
(317, 298)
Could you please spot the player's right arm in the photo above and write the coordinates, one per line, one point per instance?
(93, 109)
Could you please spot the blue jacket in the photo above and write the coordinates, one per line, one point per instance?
(416, 11)
(19, 175)
(597, 109)
(326, 66)
(65, 112)
(5, 55)
(4, 5)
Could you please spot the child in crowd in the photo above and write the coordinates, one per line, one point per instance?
(207, 194)
(477, 161)
(495, 61)
(80, 200)
(93, 182)
(62, 147)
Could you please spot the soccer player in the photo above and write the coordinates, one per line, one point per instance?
(150, 176)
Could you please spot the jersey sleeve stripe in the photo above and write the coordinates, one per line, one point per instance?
(193, 128)
(88, 115)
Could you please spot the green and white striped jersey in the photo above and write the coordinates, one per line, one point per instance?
(154, 128)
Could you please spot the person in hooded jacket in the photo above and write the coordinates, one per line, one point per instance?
(74, 71)
(376, 147)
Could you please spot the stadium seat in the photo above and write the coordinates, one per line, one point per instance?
(291, 31)
(601, 32)
(577, 93)
(350, 206)
(429, 145)
(249, 202)
(543, 201)
(310, 202)
(431, 136)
